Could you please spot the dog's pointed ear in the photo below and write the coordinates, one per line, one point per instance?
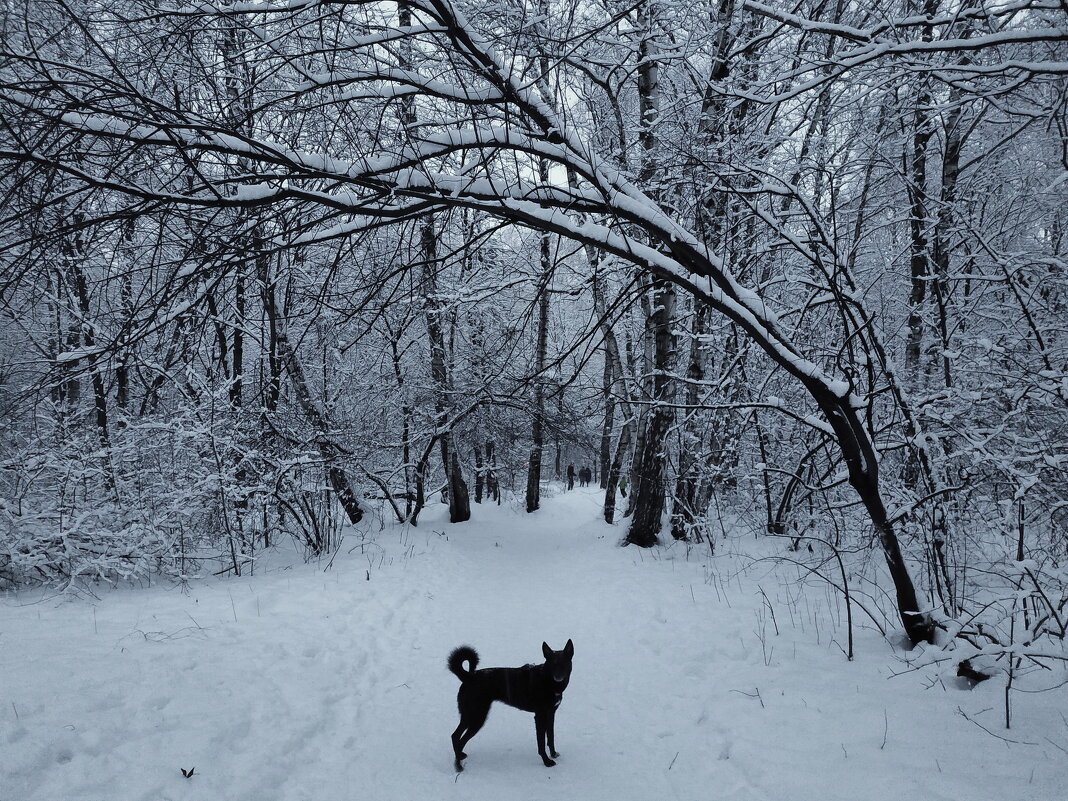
(569, 649)
(546, 651)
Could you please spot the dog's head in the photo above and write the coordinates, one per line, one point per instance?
(558, 663)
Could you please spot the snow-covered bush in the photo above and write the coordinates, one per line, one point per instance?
(173, 495)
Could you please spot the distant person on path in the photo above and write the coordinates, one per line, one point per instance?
(585, 475)
(571, 476)
(623, 486)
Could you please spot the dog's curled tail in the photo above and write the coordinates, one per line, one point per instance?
(465, 653)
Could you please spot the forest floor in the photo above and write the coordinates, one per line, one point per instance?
(303, 682)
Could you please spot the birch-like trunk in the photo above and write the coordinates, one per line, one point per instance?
(651, 457)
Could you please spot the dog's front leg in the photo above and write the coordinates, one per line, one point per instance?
(550, 733)
(541, 720)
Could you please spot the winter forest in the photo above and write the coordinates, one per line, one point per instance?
(327, 279)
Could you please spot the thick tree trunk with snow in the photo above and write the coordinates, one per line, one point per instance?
(651, 460)
(459, 497)
(648, 505)
(863, 467)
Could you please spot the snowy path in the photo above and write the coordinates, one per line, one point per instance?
(304, 684)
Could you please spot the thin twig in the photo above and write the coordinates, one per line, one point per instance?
(964, 715)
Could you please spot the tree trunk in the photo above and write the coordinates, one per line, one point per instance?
(480, 473)
(237, 344)
(73, 255)
(537, 450)
(919, 223)
(406, 421)
(863, 466)
(328, 450)
(685, 508)
(493, 486)
(615, 470)
(650, 458)
(940, 255)
(122, 357)
(270, 311)
(459, 502)
(613, 466)
(459, 497)
(605, 456)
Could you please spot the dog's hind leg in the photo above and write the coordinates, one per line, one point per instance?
(457, 750)
(472, 718)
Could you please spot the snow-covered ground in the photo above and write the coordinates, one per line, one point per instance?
(307, 683)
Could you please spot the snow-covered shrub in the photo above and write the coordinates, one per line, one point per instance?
(166, 497)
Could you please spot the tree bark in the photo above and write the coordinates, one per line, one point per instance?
(459, 501)
(615, 470)
(406, 421)
(649, 498)
(863, 468)
(605, 454)
(537, 450)
(650, 490)
(919, 222)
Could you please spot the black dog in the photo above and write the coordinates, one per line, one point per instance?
(532, 688)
